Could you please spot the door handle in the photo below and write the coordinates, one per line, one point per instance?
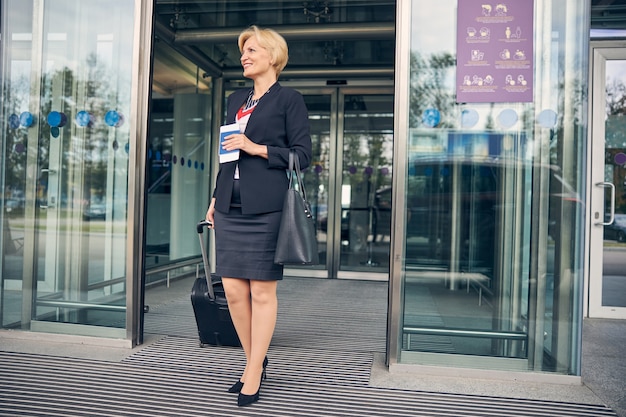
(49, 206)
(611, 187)
(49, 172)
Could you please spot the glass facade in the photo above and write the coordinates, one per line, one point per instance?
(179, 148)
(493, 214)
(479, 229)
(66, 97)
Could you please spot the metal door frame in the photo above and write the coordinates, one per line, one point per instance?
(337, 94)
(342, 92)
(600, 52)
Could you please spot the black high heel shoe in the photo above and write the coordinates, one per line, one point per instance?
(237, 386)
(244, 399)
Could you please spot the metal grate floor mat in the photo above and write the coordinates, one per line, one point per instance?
(36, 385)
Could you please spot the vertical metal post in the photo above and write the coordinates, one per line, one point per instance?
(29, 274)
(398, 214)
(335, 185)
(140, 97)
(566, 249)
(456, 189)
(216, 120)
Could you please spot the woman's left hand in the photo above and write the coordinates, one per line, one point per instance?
(210, 214)
(242, 142)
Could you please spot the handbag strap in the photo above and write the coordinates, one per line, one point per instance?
(292, 156)
(294, 170)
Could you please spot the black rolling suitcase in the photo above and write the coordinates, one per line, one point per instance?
(215, 327)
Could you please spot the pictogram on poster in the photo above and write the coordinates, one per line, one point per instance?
(494, 51)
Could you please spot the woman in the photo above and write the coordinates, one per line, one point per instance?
(248, 197)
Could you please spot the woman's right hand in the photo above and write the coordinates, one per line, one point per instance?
(210, 212)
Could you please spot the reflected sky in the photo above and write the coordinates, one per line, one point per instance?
(616, 70)
(608, 33)
(434, 32)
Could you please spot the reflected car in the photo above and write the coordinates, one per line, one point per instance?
(95, 211)
(320, 212)
(321, 217)
(469, 194)
(617, 229)
(13, 205)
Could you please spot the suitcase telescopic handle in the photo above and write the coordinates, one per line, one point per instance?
(205, 260)
(202, 224)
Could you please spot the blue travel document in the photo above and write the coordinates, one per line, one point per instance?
(228, 156)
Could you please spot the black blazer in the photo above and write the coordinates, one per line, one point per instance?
(280, 120)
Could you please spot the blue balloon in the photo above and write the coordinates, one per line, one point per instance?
(14, 121)
(83, 118)
(469, 118)
(27, 119)
(112, 118)
(54, 119)
(431, 117)
(507, 118)
(547, 118)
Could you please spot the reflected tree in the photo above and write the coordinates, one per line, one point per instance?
(15, 95)
(616, 98)
(429, 87)
(615, 140)
(88, 148)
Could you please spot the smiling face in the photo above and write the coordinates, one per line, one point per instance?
(256, 60)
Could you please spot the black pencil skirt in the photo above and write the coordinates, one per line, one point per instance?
(245, 245)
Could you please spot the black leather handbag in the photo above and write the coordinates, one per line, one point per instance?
(297, 244)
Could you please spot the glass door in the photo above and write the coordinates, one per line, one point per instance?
(363, 198)
(319, 177)
(607, 279)
(349, 180)
(66, 74)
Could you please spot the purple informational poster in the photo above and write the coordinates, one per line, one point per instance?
(494, 51)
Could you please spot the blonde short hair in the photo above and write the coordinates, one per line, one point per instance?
(269, 39)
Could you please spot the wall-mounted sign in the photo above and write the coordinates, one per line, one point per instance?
(494, 51)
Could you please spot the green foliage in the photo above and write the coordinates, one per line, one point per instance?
(428, 87)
